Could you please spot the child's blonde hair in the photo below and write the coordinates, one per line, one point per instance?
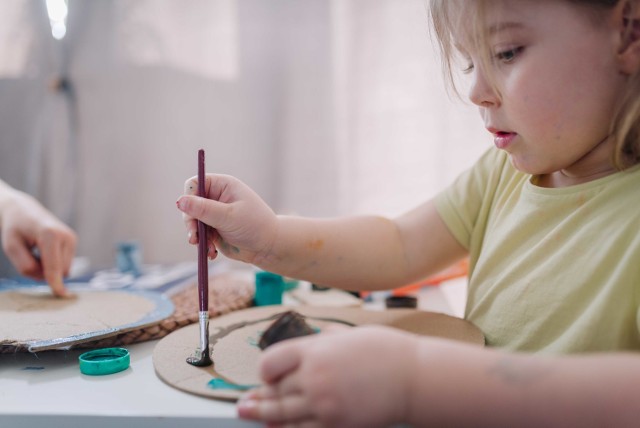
(625, 123)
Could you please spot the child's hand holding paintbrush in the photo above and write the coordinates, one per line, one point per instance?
(245, 226)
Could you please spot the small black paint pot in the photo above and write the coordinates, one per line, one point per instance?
(401, 302)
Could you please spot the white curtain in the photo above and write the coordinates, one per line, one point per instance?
(402, 138)
(325, 107)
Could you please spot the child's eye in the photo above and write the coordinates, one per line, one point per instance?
(468, 69)
(509, 55)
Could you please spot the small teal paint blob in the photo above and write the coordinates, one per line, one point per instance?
(33, 368)
(229, 248)
(216, 383)
(253, 340)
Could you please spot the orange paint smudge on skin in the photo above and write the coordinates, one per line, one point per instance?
(316, 244)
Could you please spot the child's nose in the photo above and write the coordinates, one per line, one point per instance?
(482, 92)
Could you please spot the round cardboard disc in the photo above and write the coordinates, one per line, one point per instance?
(32, 319)
(234, 343)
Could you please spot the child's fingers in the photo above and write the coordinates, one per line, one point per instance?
(335, 328)
(211, 212)
(212, 238)
(192, 229)
(212, 251)
(287, 385)
(191, 186)
(191, 225)
(289, 408)
(280, 360)
(208, 209)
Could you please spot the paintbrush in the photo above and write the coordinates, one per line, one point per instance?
(202, 357)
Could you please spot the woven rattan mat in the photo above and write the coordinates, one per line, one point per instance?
(227, 292)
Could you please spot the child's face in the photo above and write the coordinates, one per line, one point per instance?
(558, 81)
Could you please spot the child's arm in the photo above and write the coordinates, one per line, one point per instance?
(469, 386)
(375, 376)
(366, 252)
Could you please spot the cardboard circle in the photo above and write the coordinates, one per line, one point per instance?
(32, 319)
(234, 342)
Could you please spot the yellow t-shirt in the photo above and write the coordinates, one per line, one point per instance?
(551, 270)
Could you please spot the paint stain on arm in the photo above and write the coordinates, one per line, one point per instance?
(316, 244)
(228, 248)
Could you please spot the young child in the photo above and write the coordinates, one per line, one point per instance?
(24, 224)
(548, 218)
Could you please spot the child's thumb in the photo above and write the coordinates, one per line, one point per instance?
(206, 210)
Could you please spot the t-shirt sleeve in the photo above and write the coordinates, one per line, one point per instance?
(465, 202)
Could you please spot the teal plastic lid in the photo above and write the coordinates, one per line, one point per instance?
(269, 289)
(104, 361)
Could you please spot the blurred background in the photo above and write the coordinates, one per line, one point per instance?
(324, 107)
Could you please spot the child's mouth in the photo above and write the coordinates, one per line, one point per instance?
(503, 139)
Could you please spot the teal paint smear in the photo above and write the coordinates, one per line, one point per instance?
(216, 383)
(253, 340)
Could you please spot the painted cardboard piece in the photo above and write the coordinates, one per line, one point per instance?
(234, 343)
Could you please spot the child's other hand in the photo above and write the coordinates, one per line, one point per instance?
(357, 377)
(242, 225)
(26, 224)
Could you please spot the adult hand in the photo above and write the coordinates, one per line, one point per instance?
(25, 225)
(357, 377)
(242, 225)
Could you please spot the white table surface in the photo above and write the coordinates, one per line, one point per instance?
(48, 390)
(48, 387)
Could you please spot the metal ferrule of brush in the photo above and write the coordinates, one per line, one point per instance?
(201, 357)
(203, 316)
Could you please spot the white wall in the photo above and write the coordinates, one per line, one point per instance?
(325, 107)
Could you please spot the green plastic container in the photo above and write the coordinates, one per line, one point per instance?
(104, 361)
(269, 289)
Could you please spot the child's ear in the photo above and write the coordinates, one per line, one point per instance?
(628, 14)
